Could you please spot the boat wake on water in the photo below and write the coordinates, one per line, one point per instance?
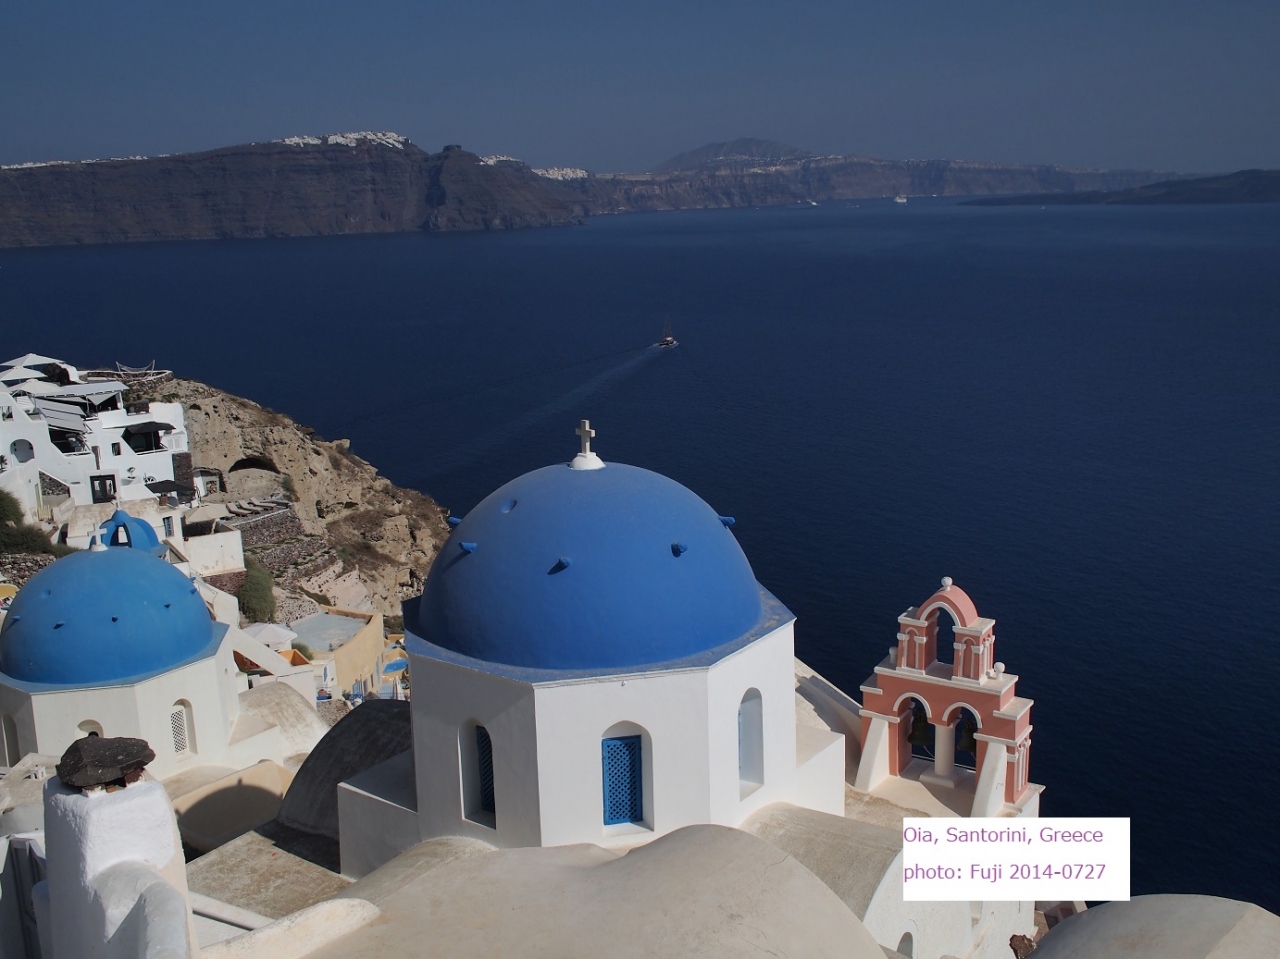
(460, 458)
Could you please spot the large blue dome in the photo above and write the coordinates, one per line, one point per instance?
(103, 615)
(575, 569)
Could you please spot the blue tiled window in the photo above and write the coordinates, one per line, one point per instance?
(623, 780)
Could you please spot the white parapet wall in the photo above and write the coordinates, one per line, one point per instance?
(116, 881)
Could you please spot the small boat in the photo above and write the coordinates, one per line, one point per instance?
(667, 340)
(899, 199)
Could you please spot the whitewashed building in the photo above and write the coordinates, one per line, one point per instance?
(114, 641)
(66, 441)
(594, 661)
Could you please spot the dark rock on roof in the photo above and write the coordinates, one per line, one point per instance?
(96, 761)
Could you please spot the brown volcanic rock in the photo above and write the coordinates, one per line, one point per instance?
(388, 535)
(95, 761)
(349, 184)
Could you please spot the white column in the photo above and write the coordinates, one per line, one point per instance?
(873, 769)
(105, 852)
(988, 797)
(944, 750)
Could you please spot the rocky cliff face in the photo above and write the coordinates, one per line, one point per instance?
(382, 183)
(357, 529)
(738, 182)
(302, 186)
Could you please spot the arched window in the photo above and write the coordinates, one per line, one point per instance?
(181, 728)
(484, 764)
(626, 774)
(12, 751)
(751, 741)
(920, 732)
(965, 724)
(944, 633)
(90, 728)
(22, 451)
(475, 754)
(907, 945)
(622, 765)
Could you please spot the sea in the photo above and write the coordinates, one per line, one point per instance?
(1072, 411)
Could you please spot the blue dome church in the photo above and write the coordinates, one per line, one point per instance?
(116, 641)
(593, 661)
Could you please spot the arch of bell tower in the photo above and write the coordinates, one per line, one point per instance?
(997, 735)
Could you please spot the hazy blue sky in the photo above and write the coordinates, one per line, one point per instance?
(1188, 86)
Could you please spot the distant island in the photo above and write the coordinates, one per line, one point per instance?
(1245, 186)
(382, 183)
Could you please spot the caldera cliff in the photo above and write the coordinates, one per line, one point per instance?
(357, 540)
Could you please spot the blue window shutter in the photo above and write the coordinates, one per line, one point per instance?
(623, 783)
(484, 764)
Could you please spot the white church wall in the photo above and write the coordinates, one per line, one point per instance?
(17, 725)
(198, 689)
(213, 553)
(970, 930)
(62, 717)
(820, 766)
(765, 665)
(447, 700)
(997, 922)
(670, 708)
(377, 815)
(937, 928)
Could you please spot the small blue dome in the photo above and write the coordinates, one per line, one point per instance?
(125, 530)
(103, 615)
(589, 569)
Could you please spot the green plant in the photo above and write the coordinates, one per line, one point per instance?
(302, 647)
(10, 509)
(16, 536)
(257, 599)
(286, 484)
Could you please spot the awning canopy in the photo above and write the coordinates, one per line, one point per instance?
(95, 391)
(62, 416)
(170, 486)
(19, 373)
(206, 513)
(151, 426)
(31, 359)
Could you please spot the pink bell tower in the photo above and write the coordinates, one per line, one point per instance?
(970, 698)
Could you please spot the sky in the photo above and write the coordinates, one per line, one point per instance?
(1173, 85)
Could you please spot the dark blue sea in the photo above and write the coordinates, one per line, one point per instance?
(1074, 412)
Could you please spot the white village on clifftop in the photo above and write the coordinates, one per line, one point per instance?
(593, 736)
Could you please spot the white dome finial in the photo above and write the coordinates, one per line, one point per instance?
(96, 544)
(946, 582)
(586, 460)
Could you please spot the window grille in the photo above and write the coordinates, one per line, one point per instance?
(623, 783)
(178, 726)
(484, 757)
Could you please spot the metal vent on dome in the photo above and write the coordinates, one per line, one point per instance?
(623, 783)
(484, 757)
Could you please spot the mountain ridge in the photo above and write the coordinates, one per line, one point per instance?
(741, 150)
(383, 183)
(301, 186)
(1243, 186)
